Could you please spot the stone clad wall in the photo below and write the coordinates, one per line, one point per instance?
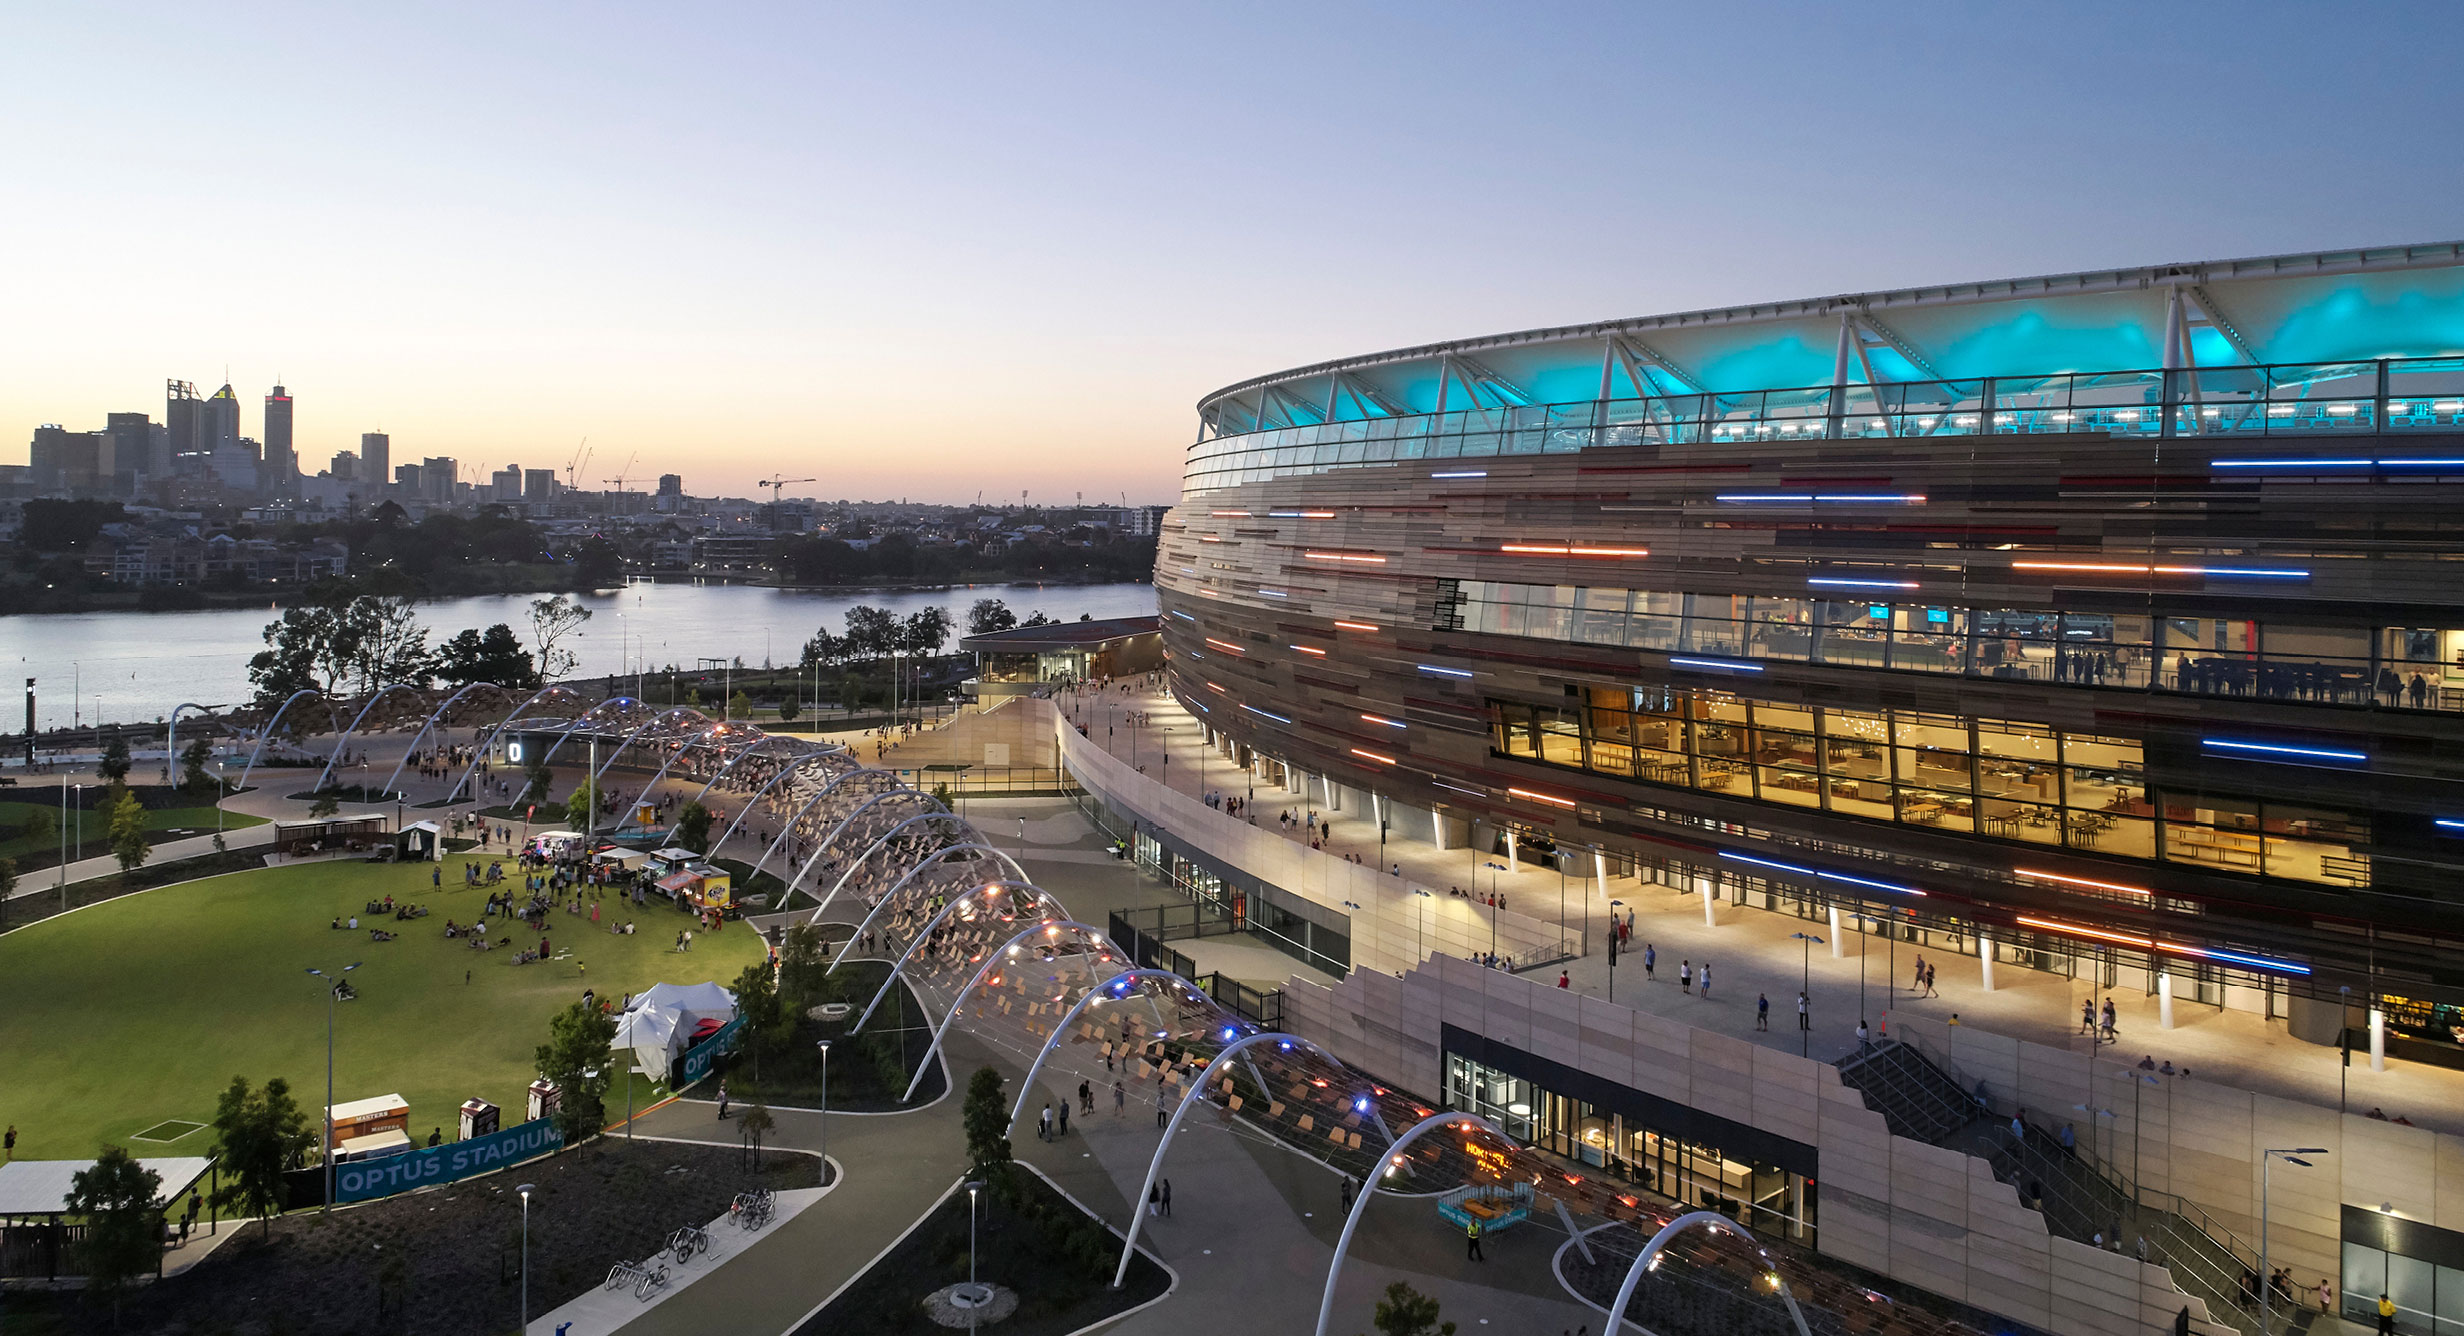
(1918, 1213)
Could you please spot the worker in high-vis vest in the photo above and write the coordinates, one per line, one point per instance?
(2386, 1316)
(1471, 1233)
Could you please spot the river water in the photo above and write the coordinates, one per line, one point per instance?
(125, 666)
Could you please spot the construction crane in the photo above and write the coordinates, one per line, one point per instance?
(623, 473)
(777, 480)
(580, 460)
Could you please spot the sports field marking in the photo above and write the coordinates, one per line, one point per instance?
(169, 1130)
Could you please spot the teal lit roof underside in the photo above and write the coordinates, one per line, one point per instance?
(2340, 306)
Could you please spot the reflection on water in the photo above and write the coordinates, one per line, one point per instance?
(138, 665)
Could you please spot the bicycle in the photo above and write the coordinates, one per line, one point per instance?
(686, 1242)
(651, 1282)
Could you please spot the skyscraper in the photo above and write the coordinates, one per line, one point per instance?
(671, 484)
(437, 476)
(345, 466)
(219, 427)
(538, 484)
(183, 414)
(506, 484)
(281, 471)
(132, 446)
(376, 457)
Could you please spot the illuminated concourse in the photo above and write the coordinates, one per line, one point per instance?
(2094, 624)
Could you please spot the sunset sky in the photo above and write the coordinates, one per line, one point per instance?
(924, 250)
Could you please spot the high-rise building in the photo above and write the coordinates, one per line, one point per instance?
(65, 462)
(219, 425)
(507, 483)
(436, 479)
(345, 466)
(376, 457)
(538, 484)
(671, 484)
(407, 480)
(132, 446)
(281, 460)
(183, 413)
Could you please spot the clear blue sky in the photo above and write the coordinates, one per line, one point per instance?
(923, 250)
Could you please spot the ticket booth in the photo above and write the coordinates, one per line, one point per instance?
(364, 1129)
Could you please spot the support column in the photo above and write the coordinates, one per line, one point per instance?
(1839, 947)
(1984, 954)
(1513, 863)
(2164, 1000)
(1711, 902)
(1599, 872)
(1437, 827)
(2378, 1040)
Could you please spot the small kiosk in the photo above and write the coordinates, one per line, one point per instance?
(365, 1129)
(479, 1118)
(701, 887)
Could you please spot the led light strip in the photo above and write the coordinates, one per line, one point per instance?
(1272, 593)
(2324, 754)
(1307, 650)
(1462, 473)
(1262, 714)
(1555, 550)
(1356, 626)
(1551, 799)
(1720, 663)
(2449, 823)
(1225, 646)
(2174, 948)
(1360, 557)
(1445, 672)
(1817, 872)
(1895, 498)
(2075, 930)
(1477, 793)
(1381, 760)
(1830, 583)
(1381, 719)
(2083, 881)
(2096, 568)
(1300, 514)
(1235, 514)
(2332, 463)
(1183, 615)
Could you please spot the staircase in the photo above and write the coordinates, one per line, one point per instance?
(2079, 1199)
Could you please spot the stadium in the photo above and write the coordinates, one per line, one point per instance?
(2103, 623)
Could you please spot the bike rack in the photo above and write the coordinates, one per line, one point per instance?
(685, 1242)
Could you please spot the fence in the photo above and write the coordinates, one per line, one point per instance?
(1260, 1007)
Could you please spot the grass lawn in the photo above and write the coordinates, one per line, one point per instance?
(120, 1016)
(163, 822)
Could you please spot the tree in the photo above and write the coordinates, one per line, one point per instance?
(258, 1134)
(739, 706)
(693, 828)
(597, 564)
(192, 764)
(767, 1022)
(552, 622)
(302, 653)
(386, 643)
(926, 630)
(537, 781)
(789, 709)
(1407, 1312)
(825, 650)
(804, 971)
(990, 615)
(115, 1198)
(40, 827)
(871, 632)
(987, 1120)
(756, 1124)
(115, 763)
(325, 805)
(582, 809)
(1037, 618)
(494, 655)
(577, 1047)
(124, 817)
(8, 887)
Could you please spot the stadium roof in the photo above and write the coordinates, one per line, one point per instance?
(2324, 307)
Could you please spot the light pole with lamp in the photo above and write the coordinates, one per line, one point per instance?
(2267, 1160)
(1420, 938)
(1613, 907)
(977, 1297)
(2344, 1042)
(333, 994)
(824, 1046)
(1805, 989)
(526, 1189)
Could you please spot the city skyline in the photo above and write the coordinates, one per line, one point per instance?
(844, 242)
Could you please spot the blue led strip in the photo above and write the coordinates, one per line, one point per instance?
(1465, 473)
(1443, 672)
(1183, 615)
(2448, 823)
(1719, 663)
(1830, 583)
(1274, 593)
(1264, 715)
(1826, 876)
(2262, 750)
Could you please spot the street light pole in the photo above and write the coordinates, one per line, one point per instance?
(1805, 989)
(1613, 907)
(2267, 1160)
(333, 994)
(975, 1291)
(526, 1189)
(824, 1046)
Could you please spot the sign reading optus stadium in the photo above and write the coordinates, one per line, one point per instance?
(367, 1180)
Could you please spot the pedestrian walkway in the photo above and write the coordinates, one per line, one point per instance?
(1756, 952)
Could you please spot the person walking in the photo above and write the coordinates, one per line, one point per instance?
(1685, 977)
(2087, 1015)
(1864, 1036)
(1805, 1019)
(1918, 984)
(2110, 1033)
(1762, 1011)
(722, 1101)
(1086, 1099)
(1471, 1233)
(1347, 1194)
(1165, 1186)
(1043, 1124)
(1155, 1201)
(1120, 1099)
(1929, 982)
(1706, 980)
(1651, 957)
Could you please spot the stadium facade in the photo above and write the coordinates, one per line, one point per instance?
(2110, 623)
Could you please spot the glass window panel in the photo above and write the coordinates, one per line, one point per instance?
(2364, 1280)
(2421, 667)
(2212, 831)
(1851, 634)
(2316, 844)
(2412, 1283)
(1926, 640)
(1786, 762)
(1936, 807)
(2016, 643)
(1781, 628)
(1711, 623)
(1600, 616)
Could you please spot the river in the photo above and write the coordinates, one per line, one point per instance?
(125, 666)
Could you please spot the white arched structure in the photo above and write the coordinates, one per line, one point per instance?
(579, 720)
(822, 846)
(1042, 901)
(1711, 1220)
(1189, 1098)
(381, 693)
(480, 752)
(1095, 994)
(639, 729)
(1368, 1189)
(932, 859)
(959, 1002)
(881, 841)
(759, 742)
(171, 737)
(661, 772)
(266, 733)
(433, 716)
(758, 794)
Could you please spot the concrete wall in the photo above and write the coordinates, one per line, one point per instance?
(2203, 1141)
(1393, 929)
(1918, 1213)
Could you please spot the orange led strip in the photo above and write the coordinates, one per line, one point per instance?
(1542, 798)
(1556, 550)
(1381, 760)
(2083, 881)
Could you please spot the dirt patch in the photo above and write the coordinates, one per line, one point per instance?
(445, 1262)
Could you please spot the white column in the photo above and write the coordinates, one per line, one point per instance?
(2164, 1000)
(1711, 902)
(2378, 1040)
(1437, 827)
(1513, 864)
(1984, 954)
(1839, 947)
(1599, 871)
